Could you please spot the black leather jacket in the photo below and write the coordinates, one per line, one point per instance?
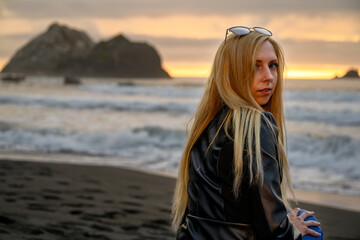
(213, 212)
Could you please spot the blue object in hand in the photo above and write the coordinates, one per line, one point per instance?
(315, 228)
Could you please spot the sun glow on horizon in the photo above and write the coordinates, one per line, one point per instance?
(202, 70)
(316, 72)
(306, 74)
(190, 69)
(3, 62)
(184, 69)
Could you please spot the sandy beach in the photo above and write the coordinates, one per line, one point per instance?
(66, 201)
(63, 201)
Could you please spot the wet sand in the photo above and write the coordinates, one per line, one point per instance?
(66, 201)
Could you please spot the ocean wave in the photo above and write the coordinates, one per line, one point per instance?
(173, 107)
(151, 145)
(196, 92)
(155, 91)
(322, 96)
(337, 116)
(319, 163)
(320, 180)
(341, 117)
(338, 153)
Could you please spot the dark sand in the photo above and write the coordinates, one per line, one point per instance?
(64, 201)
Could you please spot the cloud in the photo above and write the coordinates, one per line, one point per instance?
(324, 32)
(331, 27)
(182, 49)
(10, 43)
(296, 52)
(126, 8)
(322, 52)
(16, 26)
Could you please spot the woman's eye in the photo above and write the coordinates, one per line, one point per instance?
(274, 65)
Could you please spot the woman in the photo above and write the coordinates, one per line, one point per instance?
(234, 174)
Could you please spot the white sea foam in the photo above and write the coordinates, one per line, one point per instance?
(149, 146)
(160, 149)
(89, 104)
(335, 152)
(156, 91)
(322, 96)
(338, 117)
(144, 126)
(300, 112)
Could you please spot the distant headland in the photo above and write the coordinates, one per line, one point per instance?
(63, 51)
(350, 74)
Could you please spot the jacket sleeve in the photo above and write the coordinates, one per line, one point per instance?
(270, 215)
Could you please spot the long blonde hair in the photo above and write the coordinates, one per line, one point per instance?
(229, 83)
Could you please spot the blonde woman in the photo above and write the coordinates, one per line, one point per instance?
(234, 174)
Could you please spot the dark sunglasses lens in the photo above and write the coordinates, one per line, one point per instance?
(240, 30)
(262, 30)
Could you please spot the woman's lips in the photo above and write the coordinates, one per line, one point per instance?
(265, 91)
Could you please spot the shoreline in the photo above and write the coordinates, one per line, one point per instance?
(341, 202)
(67, 201)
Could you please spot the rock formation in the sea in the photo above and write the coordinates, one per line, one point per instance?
(118, 57)
(12, 77)
(62, 51)
(351, 74)
(46, 52)
(69, 80)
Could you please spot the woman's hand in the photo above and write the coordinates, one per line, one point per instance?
(302, 225)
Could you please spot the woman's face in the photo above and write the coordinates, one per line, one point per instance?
(265, 76)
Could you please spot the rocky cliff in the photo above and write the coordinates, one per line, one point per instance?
(65, 51)
(350, 74)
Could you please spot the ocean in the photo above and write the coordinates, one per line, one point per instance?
(143, 125)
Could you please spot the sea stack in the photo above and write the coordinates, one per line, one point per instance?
(63, 51)
(119, 57)
(45, 53)
(350, 74)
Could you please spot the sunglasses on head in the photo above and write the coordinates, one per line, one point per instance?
(240, 30)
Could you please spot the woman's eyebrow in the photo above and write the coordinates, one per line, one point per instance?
(274, 60)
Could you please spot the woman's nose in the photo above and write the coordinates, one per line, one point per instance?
(267, 74)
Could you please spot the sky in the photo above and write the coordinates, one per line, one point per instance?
(320, 38)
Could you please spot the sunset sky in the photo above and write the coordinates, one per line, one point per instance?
(321, 38)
